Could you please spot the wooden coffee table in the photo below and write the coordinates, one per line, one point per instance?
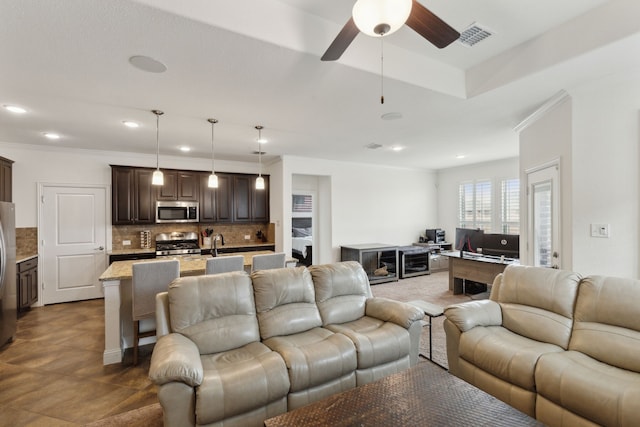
(424, 395)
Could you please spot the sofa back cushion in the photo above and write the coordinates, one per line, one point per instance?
(285, 301)
(215, 311)
(538, 303)
(342, 290)
(607, 321)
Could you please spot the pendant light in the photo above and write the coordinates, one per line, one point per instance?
(158, 177)
(213, 178)
(259, 179)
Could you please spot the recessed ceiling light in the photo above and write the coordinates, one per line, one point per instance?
(15, 109)
(185, 149)
(391, 116)
(460, 156)
(145, 63)
(130, 124)
(51, 135)
(397, 148)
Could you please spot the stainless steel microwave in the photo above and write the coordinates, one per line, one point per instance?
(177, 212)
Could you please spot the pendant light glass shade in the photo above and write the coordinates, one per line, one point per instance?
(381, 17)
(158, 177)
(260, 179)
(213, 178)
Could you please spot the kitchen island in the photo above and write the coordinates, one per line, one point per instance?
(116, 281)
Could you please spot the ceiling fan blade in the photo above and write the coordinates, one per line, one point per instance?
(341, 42)
(429, 26)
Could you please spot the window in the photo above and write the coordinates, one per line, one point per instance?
(493, 210)
(476, 205)
(510, 221)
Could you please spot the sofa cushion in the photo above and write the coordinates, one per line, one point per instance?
(607, 325)
(285, 301)
(341, 290)
(538, 303)
(591, 389)
(504, 354)
(215, 311)
(377, 342)
(238, 381)
(315, 357)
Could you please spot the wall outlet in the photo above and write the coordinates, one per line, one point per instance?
(126, 243)
(600, 230)
(247, 237)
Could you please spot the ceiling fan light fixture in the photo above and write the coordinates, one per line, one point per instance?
(381, 17)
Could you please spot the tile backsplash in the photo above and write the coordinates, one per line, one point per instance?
(27, 241)
(233, 233)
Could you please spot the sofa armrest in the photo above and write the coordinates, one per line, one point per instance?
(400, 313)
(470, 314)
(176, 358)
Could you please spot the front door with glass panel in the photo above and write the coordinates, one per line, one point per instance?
(544, 217)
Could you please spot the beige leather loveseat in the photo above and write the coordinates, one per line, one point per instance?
(561, 348)
(235, 349)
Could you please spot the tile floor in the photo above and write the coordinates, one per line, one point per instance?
(52, 374)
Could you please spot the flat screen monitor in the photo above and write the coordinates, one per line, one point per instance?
(507, 245)
(469, 239)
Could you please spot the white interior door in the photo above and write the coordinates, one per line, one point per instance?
(543, 197)
(73, 224)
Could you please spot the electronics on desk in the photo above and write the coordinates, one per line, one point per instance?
(435, 235)
(489, 244)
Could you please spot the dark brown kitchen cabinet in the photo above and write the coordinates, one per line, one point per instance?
(242, 198)
(215, 203)
(179, 185)
(132, 196)
(260, 201)
(27, 281)
(250, 205)
(6, 169)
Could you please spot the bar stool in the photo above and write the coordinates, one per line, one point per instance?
(149, 278)
(224, 264)
(268, 261)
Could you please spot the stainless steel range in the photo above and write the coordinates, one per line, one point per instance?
(177, 243)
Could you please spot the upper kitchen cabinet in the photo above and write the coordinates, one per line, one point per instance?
(6, 169)
(249, 204)
(216, 203)
(179, 185)
(132, 195)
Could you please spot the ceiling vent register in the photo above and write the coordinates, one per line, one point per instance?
(474, 34)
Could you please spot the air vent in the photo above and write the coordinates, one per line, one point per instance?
(474, 34)
(373, 146)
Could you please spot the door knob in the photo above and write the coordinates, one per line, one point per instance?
(99, 248)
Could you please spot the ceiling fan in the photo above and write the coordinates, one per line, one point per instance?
(382, 17)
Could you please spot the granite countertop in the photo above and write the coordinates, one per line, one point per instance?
(22, 257)
(190, 265)
(240, 245)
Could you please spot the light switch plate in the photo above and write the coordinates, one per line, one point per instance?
(600, 230)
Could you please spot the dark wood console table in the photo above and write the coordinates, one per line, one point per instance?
(425, 395)
(473, 267)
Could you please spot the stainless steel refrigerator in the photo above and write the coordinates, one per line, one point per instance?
(8, 290)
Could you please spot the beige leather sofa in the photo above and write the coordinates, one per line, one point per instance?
(235, 349)
(561, 348)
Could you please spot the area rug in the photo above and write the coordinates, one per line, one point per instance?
(147, 416)
(432, 288)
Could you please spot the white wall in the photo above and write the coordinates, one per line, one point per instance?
(368, 204)
(605, 174)
(448, 185)
(546, 139)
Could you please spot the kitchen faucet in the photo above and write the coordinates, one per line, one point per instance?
(214, 244)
